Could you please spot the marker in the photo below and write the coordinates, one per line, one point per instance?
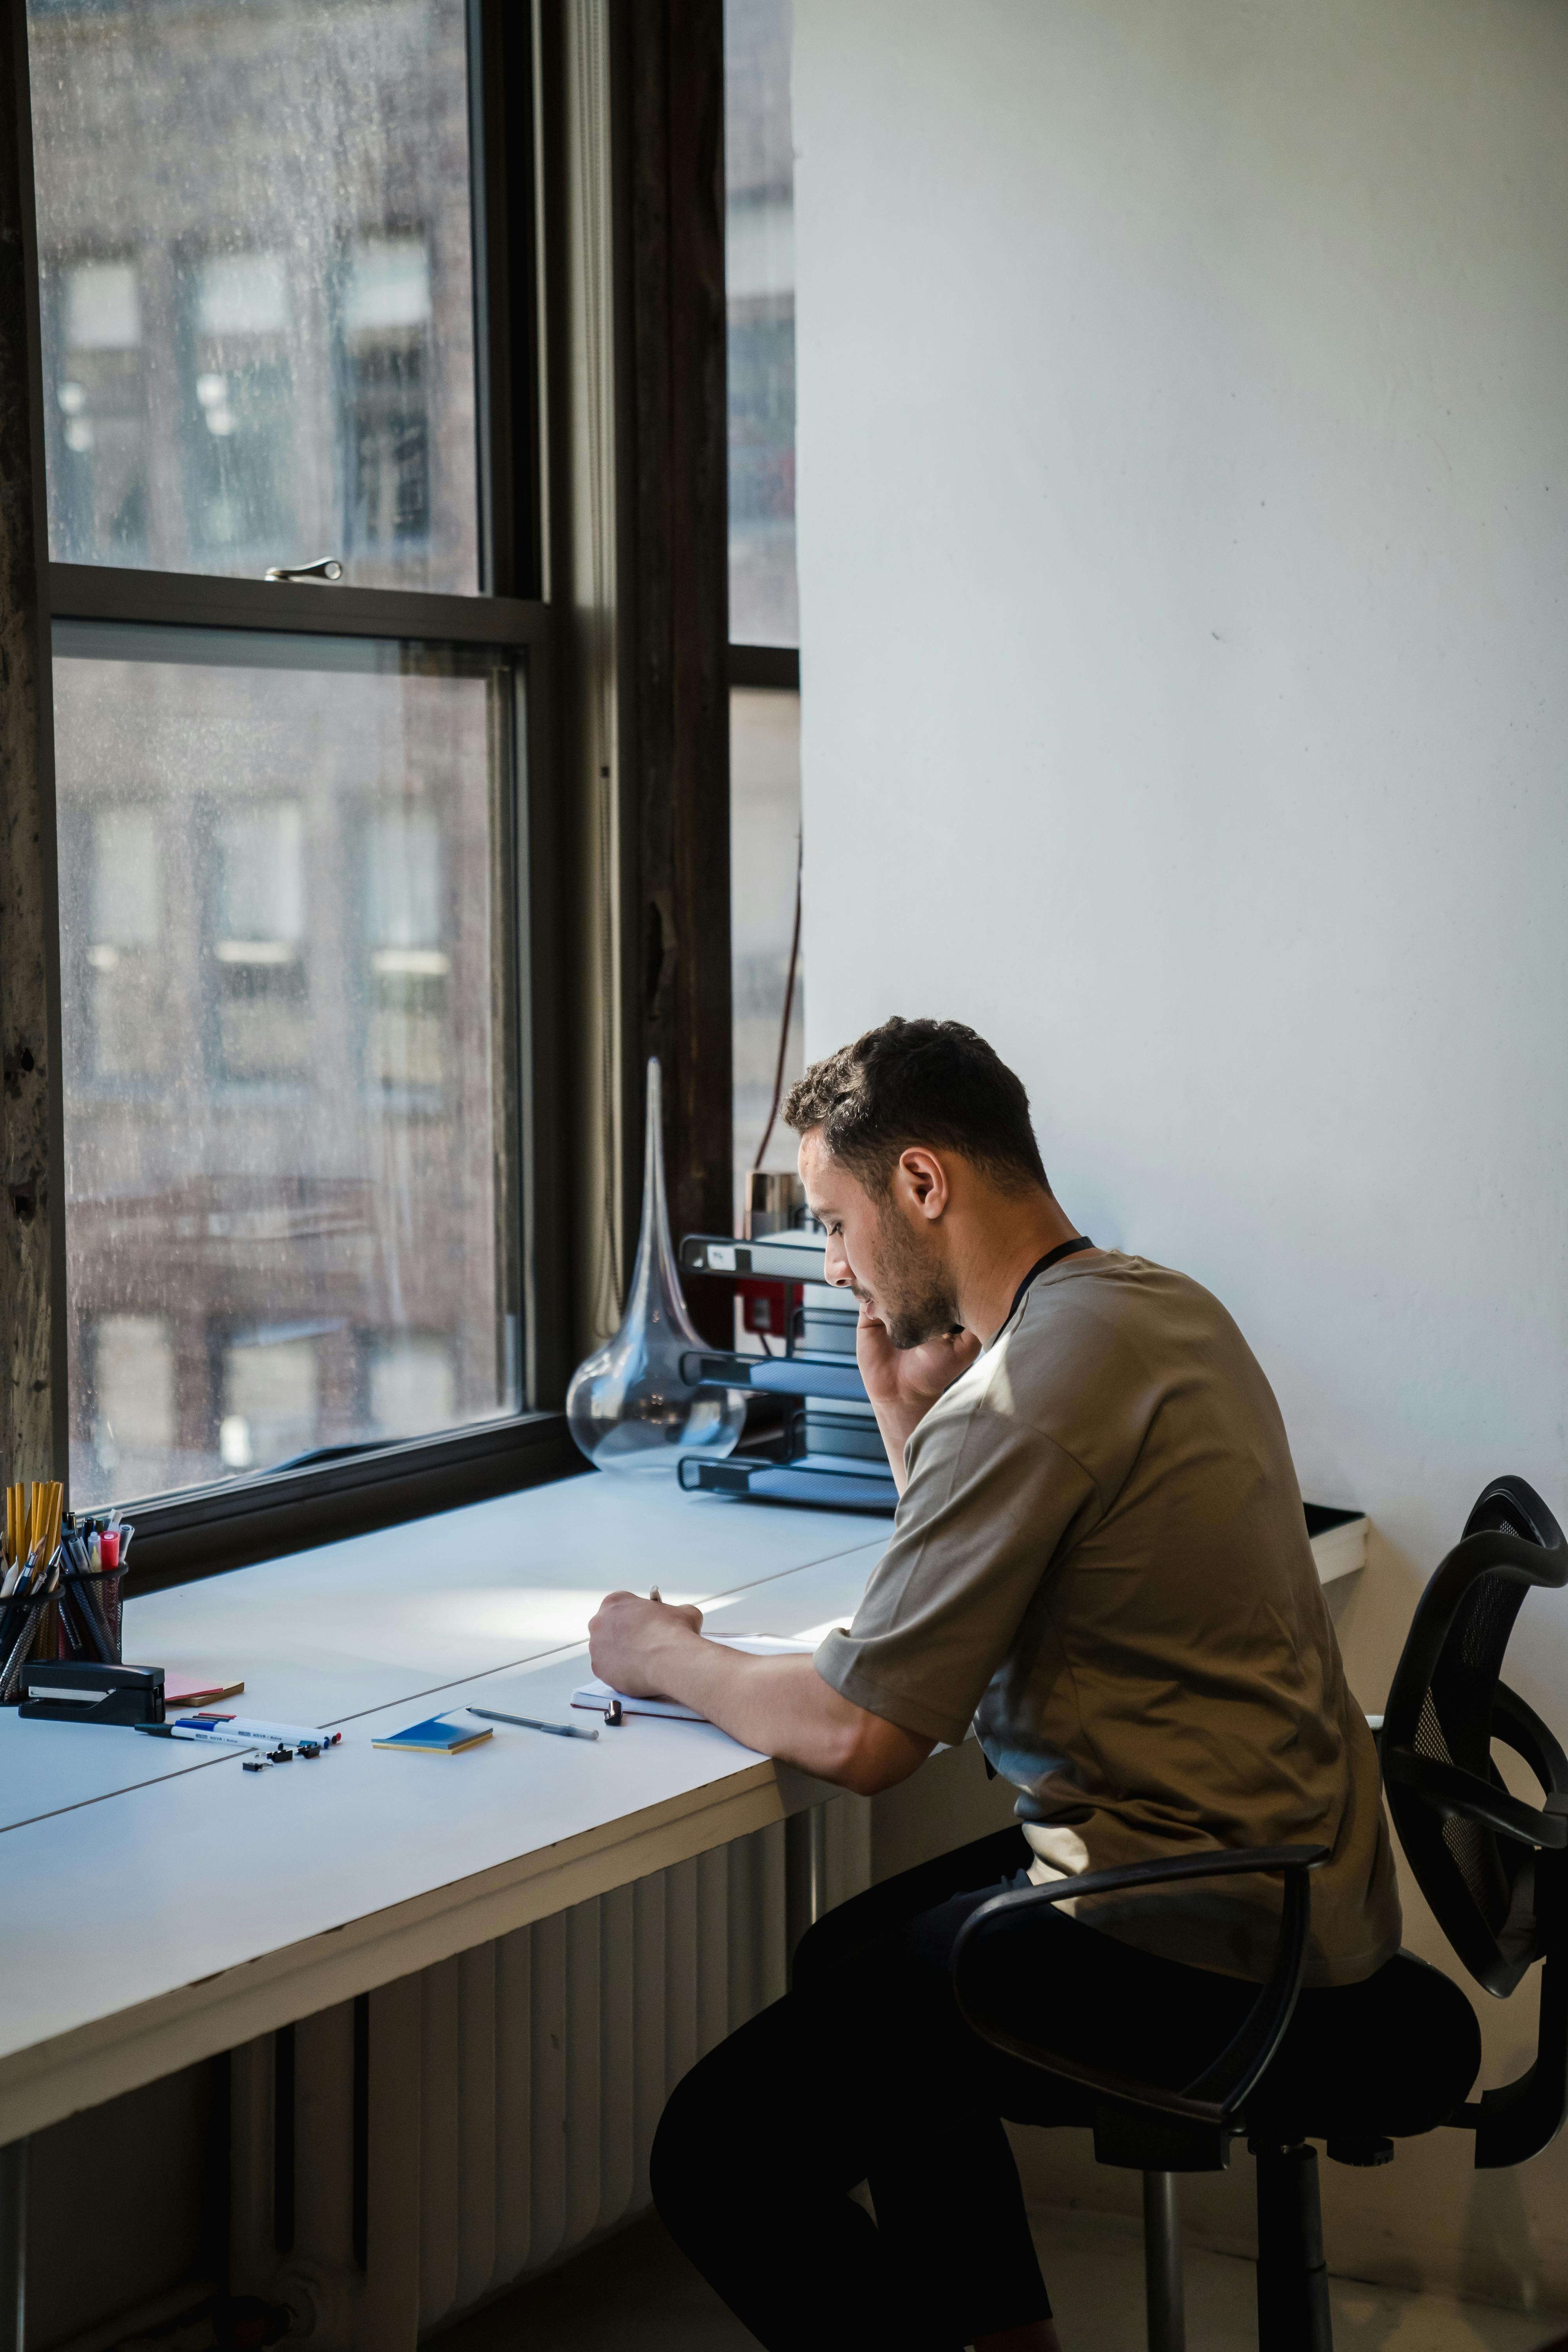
(250, 1726)
(532, 1722)
(190, 1731)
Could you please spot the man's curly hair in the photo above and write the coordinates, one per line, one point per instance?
(909, 1082)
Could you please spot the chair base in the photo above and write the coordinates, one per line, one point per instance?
(1163, 2298)
(1292, 2275)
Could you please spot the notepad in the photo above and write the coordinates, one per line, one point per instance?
(182, 1692)
(597, 1695)
(435, 1737)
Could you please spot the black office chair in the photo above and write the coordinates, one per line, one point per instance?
(1362, 2066)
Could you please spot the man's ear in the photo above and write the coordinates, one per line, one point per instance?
(926, 1180)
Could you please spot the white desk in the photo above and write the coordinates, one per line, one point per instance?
(162, 1905)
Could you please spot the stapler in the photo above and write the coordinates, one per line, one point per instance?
(73, 1690)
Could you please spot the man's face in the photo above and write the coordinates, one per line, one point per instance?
(886, 1255)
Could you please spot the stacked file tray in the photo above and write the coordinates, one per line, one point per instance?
(835, 1457)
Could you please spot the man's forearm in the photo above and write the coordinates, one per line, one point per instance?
(782, 1708)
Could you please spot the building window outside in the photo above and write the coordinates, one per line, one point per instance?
(239, 421)
(405, 969)
(133, 1431)
(260, 988)
(413, 1383)
(95, 411)
(271, 1394)
(119, 995)
(758, 175)
(386, 371)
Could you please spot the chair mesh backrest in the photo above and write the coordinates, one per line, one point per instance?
(1455, 1727)
(1441, 1706)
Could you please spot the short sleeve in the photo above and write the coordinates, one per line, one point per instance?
(990, 1503)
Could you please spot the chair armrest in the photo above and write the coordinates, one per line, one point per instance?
(1466, 1796)
(1213, 2099)
(1220, 1862)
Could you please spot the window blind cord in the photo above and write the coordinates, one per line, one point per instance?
(788, 1009)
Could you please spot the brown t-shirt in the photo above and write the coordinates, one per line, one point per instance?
(1100, 1557)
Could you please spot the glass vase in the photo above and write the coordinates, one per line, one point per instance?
(628, 1407)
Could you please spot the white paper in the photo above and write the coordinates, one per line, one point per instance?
(597, 1695)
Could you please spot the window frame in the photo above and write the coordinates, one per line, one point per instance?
(774, 668)
(205, 1530)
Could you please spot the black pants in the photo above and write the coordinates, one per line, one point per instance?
(865, 2071)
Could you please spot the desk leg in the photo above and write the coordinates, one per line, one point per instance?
(805, 1873)
(14, 2246)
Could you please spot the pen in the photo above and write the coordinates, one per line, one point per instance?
(532, 1722)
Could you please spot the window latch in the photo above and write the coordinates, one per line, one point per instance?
(325, 567)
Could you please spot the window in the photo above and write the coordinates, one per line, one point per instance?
(274, 1130)
(768, 986)
(289, 812)
(759, 267)
(254, 237)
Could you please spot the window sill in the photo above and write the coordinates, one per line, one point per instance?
(230, 1526)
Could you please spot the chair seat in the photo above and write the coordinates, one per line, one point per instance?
(1389, 2057)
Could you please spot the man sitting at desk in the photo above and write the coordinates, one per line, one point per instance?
(1099, 1559)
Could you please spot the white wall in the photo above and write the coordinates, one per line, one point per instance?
(1183, 546)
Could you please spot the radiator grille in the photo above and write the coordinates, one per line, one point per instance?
(513, 2093)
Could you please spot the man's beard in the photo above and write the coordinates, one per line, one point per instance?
(917, 1302)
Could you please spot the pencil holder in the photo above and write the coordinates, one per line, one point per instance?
(28, 1628)
(90, 1615)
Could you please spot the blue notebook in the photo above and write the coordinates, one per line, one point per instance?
(435, 1737)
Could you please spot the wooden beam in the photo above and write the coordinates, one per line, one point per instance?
(675, 597)
(32, 1204)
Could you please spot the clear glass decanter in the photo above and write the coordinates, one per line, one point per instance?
(629, 1408)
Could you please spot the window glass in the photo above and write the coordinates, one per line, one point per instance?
(256, 246)
(759, 171)
(285, 1047)
(764, 852)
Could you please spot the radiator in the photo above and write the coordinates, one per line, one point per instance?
(399, 2160)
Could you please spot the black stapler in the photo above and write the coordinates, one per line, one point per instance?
(72, 1690)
